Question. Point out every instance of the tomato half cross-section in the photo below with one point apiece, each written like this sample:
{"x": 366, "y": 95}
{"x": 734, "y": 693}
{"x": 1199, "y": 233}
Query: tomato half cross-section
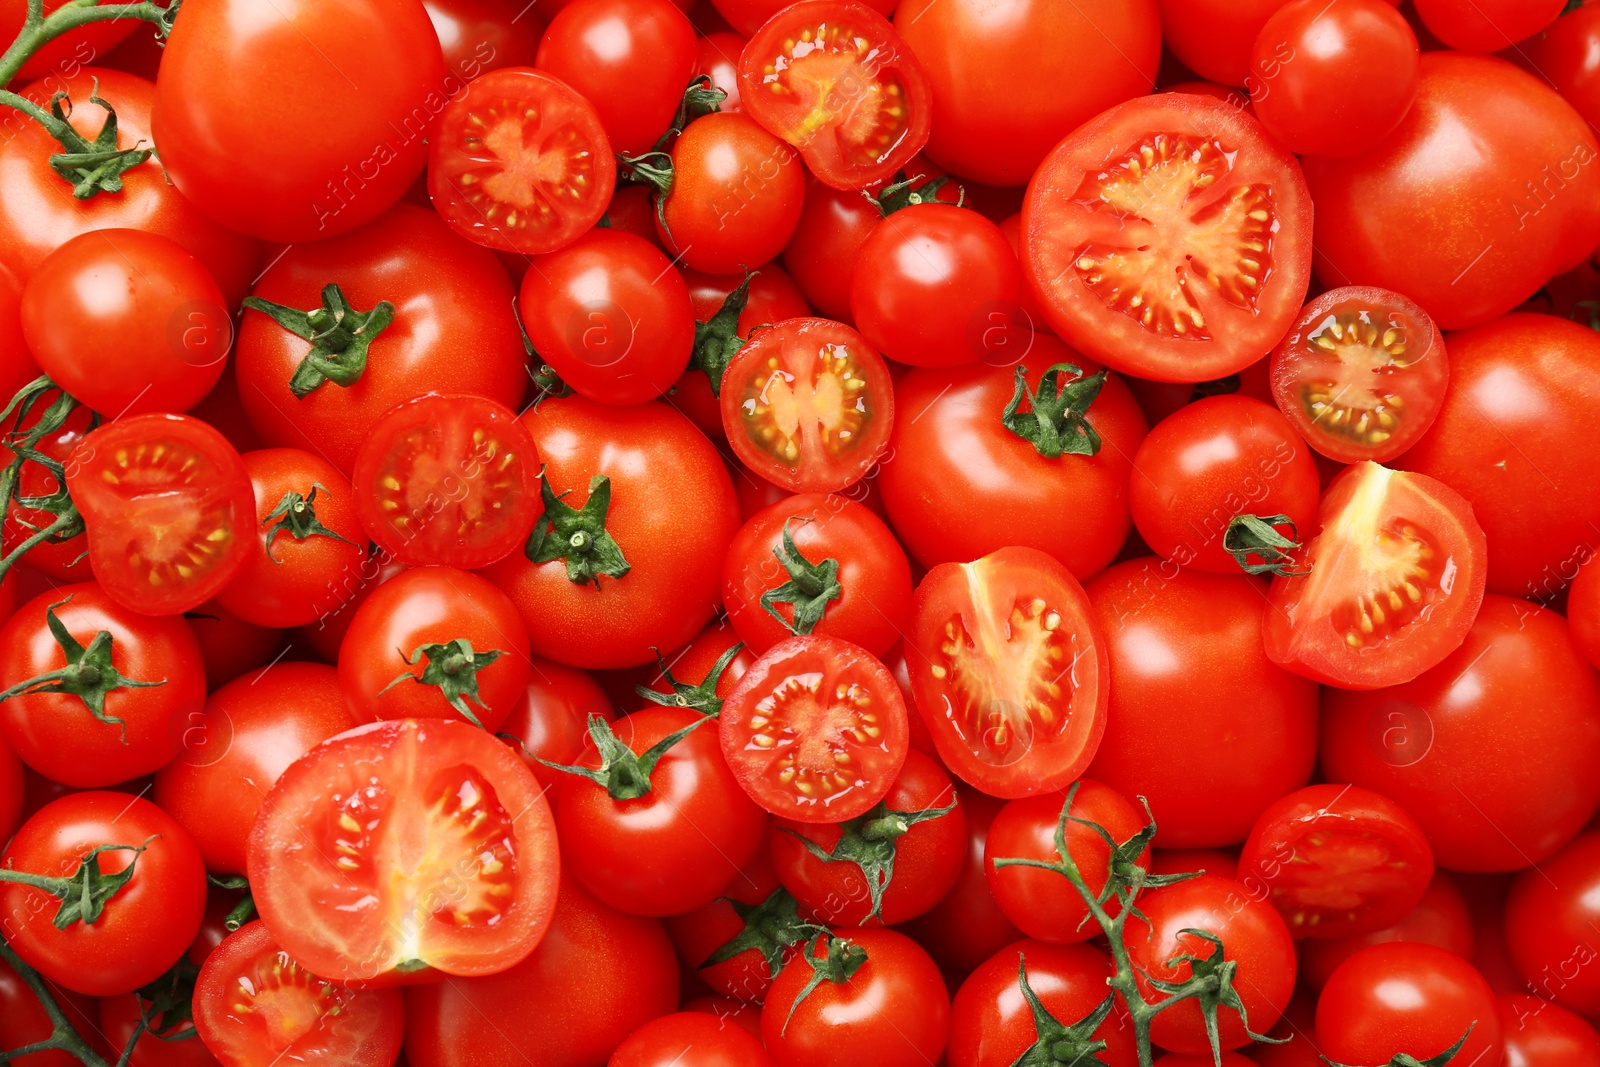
{"x": 399, "y": 851}
{"x": 1009, "y": 671}
{"x": 1169, "y": 238}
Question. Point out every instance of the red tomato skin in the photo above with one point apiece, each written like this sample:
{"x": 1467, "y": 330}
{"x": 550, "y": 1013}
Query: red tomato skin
{"x": 1541, "y": 1034}
{"x": 229, "y": 646}
{"x": 1548, "y": 926}
{"x": 1564, "y": 56}
{"x": 219, "y": 100}
{"x": 719, "y": 61}
{"x": 477, "y": 36}
{"x": 1493, "y": 241}
{"x": 1444, "y": 745}
{"x": 233, "y": 750}
{"x": 598, "y": 975}
{"x": 11, "y": 792}
{"x": 1257, "y": 721}
{"x": 23, "y": 1019}
{"x": 17, "y": 367}
{"x": 1441, "y": 918}
{"x": 1470, "y": 27}
{"x": 1583, "y": 611}
{"x": 1407, "y": 998}
{"x": 999, "y": 104}
{"x": 747, "y": 16}
{"x": 690, "y": 1039}
{"x": 698, "y": 934}
{"x": 822, "y": 254}
{"x": 1530, "y": 486}
{"x": 1212, "y": 37}
{"x": 551, "y": 720}
{"x": 66, "y": 52}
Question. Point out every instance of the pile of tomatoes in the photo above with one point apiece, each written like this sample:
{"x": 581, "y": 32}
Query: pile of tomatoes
{"x": 737, "y": 533}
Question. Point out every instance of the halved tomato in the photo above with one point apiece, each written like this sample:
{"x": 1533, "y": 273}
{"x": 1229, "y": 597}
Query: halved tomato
{"x": 451, "y": 480}
{"x": 1337, "y": 860}
{"x": 1169, "y": 238}
{"x": 835, "y": 80}
{"x": 816, "y": 730}
{"x": 256, "y": 1006}
{"x": 403, "y": 850}
{"x": 808, "y": 405}
{"x": 1362, "y": 373}
{"x": 168, "y": 508}
{"x": 520, "y": 162}
{"x": 1387, "y": 588}
{"x": 1009, "y": 671}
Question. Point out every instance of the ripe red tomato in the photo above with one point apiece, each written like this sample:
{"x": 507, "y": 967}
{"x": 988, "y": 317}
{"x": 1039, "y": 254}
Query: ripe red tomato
{"x": 431, "y": 850}
{"x": 610, "y": 315}
{"x": 310, "y": 541}
{"x": 1388, "y": 586}
{"x": 23, "y": 1019}
{"x": 256, "y": 1006}
{"x": 233, "y": 750}
{"x": 1479, "y": 132}
{"x": 719, "y": 61}
{"x": 1253, "y": 936}
{"x": 1043, "y": 904}
{"x": 56, "y": 733}
{"x": 1583, "y": 611}
{"x": 78, "y": 45}
{"x": 1009, "y": 671}
{"x": 1407, "y": 998}
{"x": 17, "y": 367}
{"x": 326, "y": 634}
{"x": 1564, "y": 55}
{"x": 1507, "y": 441}
{"x": 991, "y": 1024}
{"x": 1213, "y": 37}
{"x": 482, "y": 35}
{"x": 1441, "y": 918}
{"x": 690, "y": 1039}
{"x": 671, "y": 512}
{"x": 1200, "y": 721}
{"x": 762, "y": 935}
{"x": 892, "y": 1011}
{"x": 1486, "y": 25}
{"x": 927, "y": 855}
{"x": 835, "y": 565}
{"x": 551, "y": 719}
{"x": 453, "y": 331}
{"x": 166, "y": 503}
{"x": 815, "y": 730}
{"x": 958, "y": 484}
{"x": 821, "y": 256}
{"x": 146, "y": 925}
{"x": 747, "y": 16}
{"x": 1540, "y": 1034}
{"x": 221, "y": 98}
{"x": 1212, "y": 460}
{"x": 431, "y": 642}
{"x": 597, "y": 976}
{"x": 11, "y": 792}
{"x": 1170, "y": 238}
{"x": 1352, "y": 391}
{"x": 1457, "y": 749}
{"x": 834, "y": 79}
{"x": 512, "y": 188}
{"x": 1549, "y": 925}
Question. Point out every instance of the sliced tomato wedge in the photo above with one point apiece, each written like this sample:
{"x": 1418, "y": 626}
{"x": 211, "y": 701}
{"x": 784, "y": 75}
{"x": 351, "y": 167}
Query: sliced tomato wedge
{"x": 520, "y": 162}
{"x": 1169, "y": 238}
{"x": 1387, "y": 588}
{"x": 256, "y": 1006}
{"x": 168, "y": 507}
{"x": 816, "y": 730}
{"x": 403, "y": 850}
{"x": 835, "y": 80}
{"x": 1362, "y": 374}
{"x": 808, "y": 404}
{"x": 1337, "y": 860}
{"x": 1009, "y": 671}
{"x": 451, "y": 480}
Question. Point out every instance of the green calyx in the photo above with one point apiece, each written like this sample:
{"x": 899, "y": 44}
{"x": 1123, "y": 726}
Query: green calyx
{"x": 1257, "y": 536}
{"x": 701, "y": 697}
{"x": 93, "y": 167}
{"x": 771, "y": 928}
{"x": 1056, "y": 422}
{"x": 622, "y": 774}
{"x": 168, "y": 1002}
{"x": 296, "y": 515}
{"x": 1057, "y": 1044}
{"x": 339, "y": 336}
{"x": 33, "y": 421}
{"x": 453, "y": 668}
{"x": 810, "y": 589}
{"x": 577, "y": 537}
{"x": 654, "y": 168}
{"x": 869, "y": 842}
{"x": 717, "y": 339}
{"x": 1211, "y": 986}
{"x": 84, "y": 893}
{"x": 904, "y": 192}
{"x": 1405, "y": 1059}
{"x": 89, "y": 674}
{"x": 843, "y": 960}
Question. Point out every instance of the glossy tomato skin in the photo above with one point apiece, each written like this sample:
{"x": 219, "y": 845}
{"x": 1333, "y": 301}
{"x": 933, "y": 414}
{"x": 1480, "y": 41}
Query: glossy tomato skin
{"x": 1409, "y": 998}
{"x": 1441, "y": 918}
{"x": 719, "y": 61}
{"x": 821, "y": 256}
{"x": 959, "y": 485}
{"x": 999, "y": 104}
{"x": 991, "y": 1024}
{"x": 482, "y": 35}
{"x": 874, "y": 602}
{"x": 1489, "y": 26}
{"x": 233, "y": 750}
{"x": 551, "y": 720}
{"x": 144, "y": 928}
{"x": 23, "y": 1019}
{"x": 598, "y": 975}
{"x": 1583, "y": 611}
{"x": 423, "y": 607}
{"x": 1213, "y": 37}
{"x": 1538, "y": 500}
{"x": 747, "y": 16}
{"x": 1444, "y": 746}
{"x": 1548, "y": 925}
{"x": 699, "y": 934}
{"x": 630, "y": 58}
{"x": 690, "y": 1039}
{"x": 17, "y": 367}
{"x": 673, "y": 514}
{"x": 1212, "y": 460}
{"x": 55, "y": 733}
{"x": 207, "y": 113}
{"x": 1493, "y": 241}
{"x": 302, "y": 580}
{"x": 1200, "y": 721}
{"x": 11, "y": 792}
{"x": 1541, "y": 1034}
{"x": 1564, "y": 55}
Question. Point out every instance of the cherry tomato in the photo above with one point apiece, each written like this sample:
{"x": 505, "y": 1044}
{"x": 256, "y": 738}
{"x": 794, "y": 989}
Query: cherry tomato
{"x": 1564, "y": 55}
{"x": 747, "y": 16}
{"x": 1548, "y": 926}
{"x": 551, "y": 719}
{"x": 822, "y": 254}
{"x": 1540, "y": 1034}
{"x": 1583, "y": 611}
{"x": 1441, "y": 918}
{"x": 1486, "y": 25}
{"x": 689, "y": 1039}
{"x": 229, "y": 646}
{"x": 719, "y": 61}
{"x": 767, "y": 929}
{"x": 1213, "y": 37}
{"x": 23, "y": 1019}
{"x": 11, "y": 792}
{"x": 80, "y": 44}
{"x": 1407, "y": 998}
{"x": 482, "y": 35}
